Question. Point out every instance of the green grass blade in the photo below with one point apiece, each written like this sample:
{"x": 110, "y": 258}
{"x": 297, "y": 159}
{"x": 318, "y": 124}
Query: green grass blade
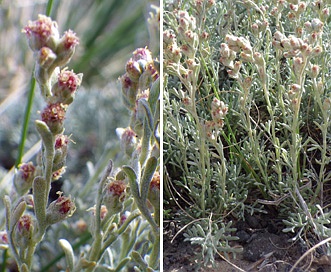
{"x": 26, "y": 120}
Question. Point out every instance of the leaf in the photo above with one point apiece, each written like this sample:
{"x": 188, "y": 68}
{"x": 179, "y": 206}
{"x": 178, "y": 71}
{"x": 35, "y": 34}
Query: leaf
{"x": 147, "y": 177}
{"x": 69, "y": 253}
{"x": 131, "y": 174}
{"x": 16, "y": 214}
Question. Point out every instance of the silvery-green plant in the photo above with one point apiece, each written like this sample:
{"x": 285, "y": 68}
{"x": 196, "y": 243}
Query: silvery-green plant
{"x": 126, "y": 211}
{"x": 263, "y": 68}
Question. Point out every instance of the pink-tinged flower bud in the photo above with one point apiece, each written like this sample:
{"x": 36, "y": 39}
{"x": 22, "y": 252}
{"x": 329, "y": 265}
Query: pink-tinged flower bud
{"x": 234, "y": 72}
{"x": 204, "y": 36}
{"x": 42, "y": 33}
{"x": 308, "y": 26}
{"x": 317, "y": 25}
{"x": 246, "y": 57}
{"x": 61, "y": 150}
{"x": 210, "y": 3}
{"x": 142, "y": 54}
{"x": 286, "y": 44}
{"x": 259, "y": 59}
{"x": 299, "y": 31}
{"x": 169, "y": 37}
{"x": 124, "y": 217}
{"x": 151, "y": 72}
{"x": 69, "y": 39}
{"x": 225, "y": 50}
{"x": 191, "y": 38}
{"x": 232, "y": 42}
{"x": 24, "y": 224}
{"x": 298, "y": 66}
{"x": 60, "y": 209}
{"x": 302, "y": 7}
{"x": 187, "y": 50}
{"x": 306, "y": 50}
{"x": 245, "y": 45}
{"x": 24, "y": 230}
{"x": 103, "y": 211}
{"x": 210, "y": 130}
{"x": 278, "y": 36}
{"x": 173, "y": 52}
{"x": 80, "y": 226}
{"x": 198, "y": 4}
{"x": 45, "y": 57}
{"x": 314, "y": 71}
{"x": 316, "y": 51}
{"x": 53, "y": 115}
{"x": 291, "y": 16}
{"x": 325, "y": 14}
{"x": 274, "y": 12}
{"x": 186, "y": 21}
{"x": 24, "y": 177}
{"x": 4, "y": 237}
{"x": 187, "y": 101}
{"x": 293, "y": 7}
{"x": 218, "y": 109}
{"x": 128, "y": 140}
{"x": 129, "y": 91}
{"x": 133, "y": 70}
{"x": 154, "y": 190}
{"x": 255, "y": 29}
{"x": 295, "y": 42}
{"x": 66, "y": 48}
{"x": 65, "y": 88}
{"x": 294, "y": 91}
{"x": 114, "y": 196}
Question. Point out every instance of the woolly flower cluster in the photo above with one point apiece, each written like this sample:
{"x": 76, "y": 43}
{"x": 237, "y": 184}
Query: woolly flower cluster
{"x": 139, "y": 86}
{"x": 52, "y": 52}
{"x": 218, "y": 112}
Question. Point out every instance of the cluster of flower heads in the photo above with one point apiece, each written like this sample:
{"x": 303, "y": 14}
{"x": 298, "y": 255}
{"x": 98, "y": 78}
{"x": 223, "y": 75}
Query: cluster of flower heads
{"x": 185, "y": 39}
{"x": 52, "y": 53}
{"x": 218, "y": 112}
{"x": 58, "y": 86}
{"x": 292, "y": 46}
{"x": 141, "y": 74}
{"x": 242, "y": 46}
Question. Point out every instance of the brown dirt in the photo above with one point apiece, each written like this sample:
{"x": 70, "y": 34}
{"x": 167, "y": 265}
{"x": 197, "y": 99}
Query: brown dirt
{"x": 263, "y": 251}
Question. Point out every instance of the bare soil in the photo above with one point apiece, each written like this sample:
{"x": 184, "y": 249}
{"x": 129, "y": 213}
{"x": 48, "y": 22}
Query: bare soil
{"x": 265, "y": 248}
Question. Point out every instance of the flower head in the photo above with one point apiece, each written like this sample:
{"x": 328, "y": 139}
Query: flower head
{"x": 53, "y": 115}
{"x": 45, "y": 57}
{"x": 70, "y": 39}
{"x": 24, "y": 177}
{"x": 69, "y": 80}
{"x": 60, "y": 209}
{"x": 128, "y": 140}
{"x": 65, "y": 88}
{"x": 4, "y": 237}
{"x": 114, "y": 195}
{"x": 24, "y": 230}
{"x": 42, "y": 32}
{"x": 129, "y": 91}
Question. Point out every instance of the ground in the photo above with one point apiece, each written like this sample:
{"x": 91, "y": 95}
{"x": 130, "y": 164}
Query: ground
{"x": 265, "y": 249}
